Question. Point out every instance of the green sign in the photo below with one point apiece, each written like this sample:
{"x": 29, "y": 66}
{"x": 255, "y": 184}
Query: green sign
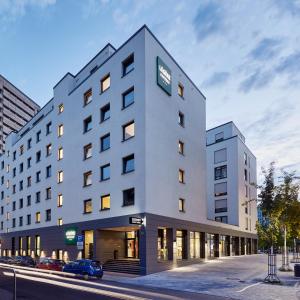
{"x": 164, "y": 76}
{"x": 70, "y": 236}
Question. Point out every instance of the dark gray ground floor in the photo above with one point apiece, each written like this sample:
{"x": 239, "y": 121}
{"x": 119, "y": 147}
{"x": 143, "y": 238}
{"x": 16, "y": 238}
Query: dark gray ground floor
{"x": 160, "y": 243}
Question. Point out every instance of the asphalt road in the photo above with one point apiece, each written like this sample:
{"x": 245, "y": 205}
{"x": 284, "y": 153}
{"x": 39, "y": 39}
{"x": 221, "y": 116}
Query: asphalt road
{"x": 36, "y": 286}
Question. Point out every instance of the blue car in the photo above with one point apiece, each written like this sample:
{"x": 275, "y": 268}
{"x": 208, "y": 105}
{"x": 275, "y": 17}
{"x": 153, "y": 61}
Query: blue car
{"x": 85, "y": 267}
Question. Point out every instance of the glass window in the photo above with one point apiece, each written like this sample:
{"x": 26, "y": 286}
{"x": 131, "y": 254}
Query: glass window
{"x": 220, "y": 205}
{"x": 48, "y": 149}
{"x": 105, "y": 142}
{"x": 245, "y": 175}
{"x": 20, "y": 221}
{"x": 220, "y": 172}
{"x": 219, "y": 137}
{"x": 59, "y": 200}
{"x": 221, "y": 189}
{"x": 128, "y": 163}
{"x": 29, "y": 142}
{"x": 87, "y": 124}
{"x": 48, "y": 128}
{"x": 28, "y": 219}
{"x": 128, "y": 197}
{"x": 38, "y": 176}
{"x": 105, "y": 113}
{"x": 87, "y": 206}
{"x": 181, "y": 176}
{"x": 21, "y": 149}
{"x": 60, "y": 108}
{"x": 28, "y": 200}
{"x": 245, "y": 159}
{"x": 181, "y": 119}
{"x": 181, "y": 205}
{"x": 105, "y": 202}
{"x": 28, "y": 162}
{"x": 128, "y": 131}
{"x": 105, "y": 172}
{"x": 180, "y": 90}
{"x": 37, "y": 197}
{"x": 105, "y": 83}
{"x": 87, "y": 178}
{"x": 87, "y": 97}
{"x": 48, "y": 171}
{"x": 48, "y": 193}
{"x": 38, "y": 217}
{"x": 48, "y": 215}
{"x": 60, "y": 153}
{"x": 21, "y": 203}
{"x": 128, "y": 64}
{"x": 60, "y": 130}
{"x": 60, "y": 176}
{"x": 38, "y": 136}
{"x": 181, "y": 147}
{"x": 38, "y": 156}
{"x": 222, "y": 219}
{"x": 87, "y": 151}
{"x": 128, "y": 97}
{"x": 220, "y": 155}
{"x": 59, "y": 222}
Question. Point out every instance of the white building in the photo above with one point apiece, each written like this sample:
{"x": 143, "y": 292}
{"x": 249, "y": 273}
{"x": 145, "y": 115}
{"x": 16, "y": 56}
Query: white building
{"x": 231, "y": 178}
{"x": 118, "y": 158}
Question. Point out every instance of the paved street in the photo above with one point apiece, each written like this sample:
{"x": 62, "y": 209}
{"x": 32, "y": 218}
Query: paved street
{"x": 38, "y": 286}
{"x": 233, "y": 277}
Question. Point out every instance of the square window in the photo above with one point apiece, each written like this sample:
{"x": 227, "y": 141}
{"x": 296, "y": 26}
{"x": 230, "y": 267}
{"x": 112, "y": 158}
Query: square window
{"x": 105, "y": 142}
{"x": 105, "y": 172}
{"x": 87, "y": 206}
{"x": 105, "y": 113}
{"x": 87, "y": 151}
{"x": 220, "y": 189}
{"x": 128, "y": 64}
{"x": 128, "y": 97}
{"x": 105, "y": 83}
{"x": 181, "y": 205}
{"x": 128, "y": 197}
{"x": 128, "y": 163}
{"x": 87, "y": 97}
{"x": 87, "y": 178}
{"x": 219, "y": 137}
{"x": 180, "y": 90}
{"x": 181, "y": 119}
{"x": 128, "y": 131}
{"x": 60, "y": 200}
{"x": 220, "y": 155}
{"x": 105, "y": 202}
{"x": 220, "y": 206}
{"x": 181, "y": 147}
{"x": 222, "y": 219}
{"x": 60, "y": 153}
{"x": 220, "y": 172}
{"x": 87, "y": 124}
{"x": 60, "y": 130}
{"x": 181, "y": 176}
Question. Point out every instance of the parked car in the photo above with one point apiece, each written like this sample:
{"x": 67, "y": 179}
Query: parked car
{"x": 84, "y": 267}
{"x": 26, "y": 261}
{"x": 6, "y": 259}
{"x": 51, "y": 264}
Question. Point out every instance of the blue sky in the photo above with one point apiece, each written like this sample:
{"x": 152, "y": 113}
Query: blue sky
{"x": 243, "y": 55}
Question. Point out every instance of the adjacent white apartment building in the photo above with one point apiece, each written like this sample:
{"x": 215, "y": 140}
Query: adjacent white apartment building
{"x": 113, "y": 167}
{"x": 231, "y": 178}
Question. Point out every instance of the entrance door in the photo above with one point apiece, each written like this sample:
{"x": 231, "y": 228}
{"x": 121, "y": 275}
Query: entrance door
{"x": 131, "y": 244}
{"x": 88, "y": 244}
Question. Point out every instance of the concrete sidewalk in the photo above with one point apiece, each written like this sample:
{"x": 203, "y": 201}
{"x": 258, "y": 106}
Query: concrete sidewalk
{"x": 235, "y": 277}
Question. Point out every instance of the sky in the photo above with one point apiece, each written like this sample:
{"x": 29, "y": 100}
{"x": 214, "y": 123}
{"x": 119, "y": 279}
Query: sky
{"x": 243, "y": 55}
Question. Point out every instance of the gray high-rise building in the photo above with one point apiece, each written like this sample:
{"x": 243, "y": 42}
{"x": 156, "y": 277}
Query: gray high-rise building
{"x": 16, "y": 109}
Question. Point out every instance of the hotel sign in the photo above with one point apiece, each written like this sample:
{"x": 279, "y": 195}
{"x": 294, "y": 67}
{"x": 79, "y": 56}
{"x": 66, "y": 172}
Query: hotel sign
{"x": 70, "y": 236}
{"x": 164, "y": 76}
{"x": 135, "y": 220}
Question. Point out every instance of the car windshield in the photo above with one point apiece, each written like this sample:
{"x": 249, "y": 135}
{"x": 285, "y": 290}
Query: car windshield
{"x": 95, "y": 263}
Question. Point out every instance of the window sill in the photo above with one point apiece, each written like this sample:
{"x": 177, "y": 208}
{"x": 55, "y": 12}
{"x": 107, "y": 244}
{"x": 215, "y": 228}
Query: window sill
{"x": 104, "y": 209}
{"x": 124, "y": 107}
{"x": 87, "y": 185}
{"x": 125, "y": 140}
{"x": 86, "y": 158}
{"x": 102, "y": 121}
{"x": 101, "y": 180}
{"x": 86, "y": 131}
{"x": 103, "y": 150}
{"x": 125, "y": 205}
{"x": 87, "y": 213}
{"x": 124, "y": 173}
{"x": 124, "y": 75}
{"x": 102, "y": 92}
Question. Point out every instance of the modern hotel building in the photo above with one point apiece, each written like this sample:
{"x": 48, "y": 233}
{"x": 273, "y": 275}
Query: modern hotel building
{"x": 16, "y": 109}
{"x": 113, "y": 167}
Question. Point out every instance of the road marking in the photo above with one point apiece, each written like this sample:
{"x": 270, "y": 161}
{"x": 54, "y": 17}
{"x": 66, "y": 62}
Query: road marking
{"x": 249, "y": 286}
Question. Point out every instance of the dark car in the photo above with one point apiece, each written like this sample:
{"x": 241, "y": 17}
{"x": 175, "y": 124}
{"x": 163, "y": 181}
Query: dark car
{"x": 84, "y": 267}
{"x": 6, "y": 260}
{"x": 51, "y": 264}
{"x": 26, "y": 261}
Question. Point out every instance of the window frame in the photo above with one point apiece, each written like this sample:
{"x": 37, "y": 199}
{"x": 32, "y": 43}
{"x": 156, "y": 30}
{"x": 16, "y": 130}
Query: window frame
{"x": 107, "y": 76}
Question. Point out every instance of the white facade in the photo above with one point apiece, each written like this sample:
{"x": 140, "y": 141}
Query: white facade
{"x": 155, "y": 145}
{"x": 231, "y": 178}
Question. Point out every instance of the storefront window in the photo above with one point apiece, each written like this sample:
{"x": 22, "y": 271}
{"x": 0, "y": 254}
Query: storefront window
{"x": 210, "y": 245}
{"x": 179, "y": 243}
{"x": 194, "y": 244}
{"x": 162, "y": 250}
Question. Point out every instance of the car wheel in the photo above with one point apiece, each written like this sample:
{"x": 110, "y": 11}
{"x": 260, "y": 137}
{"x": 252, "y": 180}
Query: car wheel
{"x": 99, "y": 277}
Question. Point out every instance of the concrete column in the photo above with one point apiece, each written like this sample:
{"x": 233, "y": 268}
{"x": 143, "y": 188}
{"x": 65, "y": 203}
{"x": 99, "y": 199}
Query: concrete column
{"x": 170, "y": 243}
{"x": 143, "y": 250}
{"x": 217, "y": 245}
{"x": 203, "y": 245}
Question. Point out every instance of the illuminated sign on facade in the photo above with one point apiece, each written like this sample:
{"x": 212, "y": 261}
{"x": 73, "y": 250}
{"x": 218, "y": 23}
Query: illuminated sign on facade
{"x": 164, "y": 76}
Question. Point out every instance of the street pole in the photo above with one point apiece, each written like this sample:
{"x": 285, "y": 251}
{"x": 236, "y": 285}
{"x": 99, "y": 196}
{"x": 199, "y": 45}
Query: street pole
{"x": 15, "y": 285}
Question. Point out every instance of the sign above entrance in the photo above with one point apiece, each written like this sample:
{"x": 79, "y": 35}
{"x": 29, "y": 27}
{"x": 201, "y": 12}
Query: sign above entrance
{"x": 70, "y": 236}
{"x": 135, "y": 220}
{"x": 164, "y": 76}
